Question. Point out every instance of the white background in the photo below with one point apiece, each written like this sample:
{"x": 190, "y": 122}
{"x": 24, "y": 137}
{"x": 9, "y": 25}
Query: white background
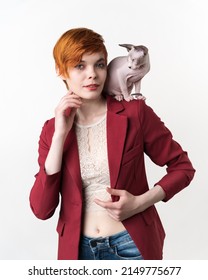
{"x": 175, "y": 31}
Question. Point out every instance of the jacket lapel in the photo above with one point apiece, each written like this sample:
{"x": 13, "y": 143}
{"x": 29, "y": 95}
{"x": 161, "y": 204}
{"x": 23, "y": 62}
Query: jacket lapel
{"x": 116, "y": 134}
{"x": 71, "y": 158}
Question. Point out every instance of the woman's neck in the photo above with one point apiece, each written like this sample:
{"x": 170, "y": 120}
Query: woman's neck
{"x": 91, "y": 111}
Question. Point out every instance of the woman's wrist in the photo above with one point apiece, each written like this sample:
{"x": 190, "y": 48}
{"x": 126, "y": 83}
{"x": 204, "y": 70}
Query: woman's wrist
{"x": 59, "y": 137}
{"x": 150, "y": 197}
{"x": 54, "y": 159}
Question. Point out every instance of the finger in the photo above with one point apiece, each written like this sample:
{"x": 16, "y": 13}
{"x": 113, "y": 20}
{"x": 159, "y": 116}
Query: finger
{"x": 72, "y": 95}
{"x": 66, "y": 109}
{"x": 70, "y": 111}
{"x": 70, "y": 92}
{"x": 105, "y": 204}
{"x": 113, "y": 216}
{"x": 115, "y": 192}
{"x": 69, "y": 101}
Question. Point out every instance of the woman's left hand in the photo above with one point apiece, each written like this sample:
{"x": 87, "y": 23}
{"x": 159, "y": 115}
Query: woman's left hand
{"x": 127, "y": 205}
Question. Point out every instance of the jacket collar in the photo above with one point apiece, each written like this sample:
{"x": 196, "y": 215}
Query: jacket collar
{"x": 116, "y": 135}
{"x": 113, "y": 105}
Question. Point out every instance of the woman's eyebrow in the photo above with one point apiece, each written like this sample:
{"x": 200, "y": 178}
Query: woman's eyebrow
{"x": 99, "y": 60}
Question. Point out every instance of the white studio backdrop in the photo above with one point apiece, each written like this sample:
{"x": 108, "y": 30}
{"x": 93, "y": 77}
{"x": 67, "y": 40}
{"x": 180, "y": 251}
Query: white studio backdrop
{"x": 176, "y": 87}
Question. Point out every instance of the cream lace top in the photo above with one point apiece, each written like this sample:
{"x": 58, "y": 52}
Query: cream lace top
{"x": 92, "y": 146}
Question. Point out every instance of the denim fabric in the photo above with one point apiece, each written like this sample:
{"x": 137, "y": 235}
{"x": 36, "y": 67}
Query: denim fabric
{"x": 115, "y": 247}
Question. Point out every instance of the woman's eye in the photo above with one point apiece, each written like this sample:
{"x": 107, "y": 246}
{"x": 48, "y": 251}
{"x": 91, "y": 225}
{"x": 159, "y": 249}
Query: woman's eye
{"x": 79, "y": 66}
{"x": 100, "y": 65}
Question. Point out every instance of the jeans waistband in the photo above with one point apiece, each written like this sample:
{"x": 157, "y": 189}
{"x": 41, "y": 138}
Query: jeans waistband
{"x": 111, "y": 240}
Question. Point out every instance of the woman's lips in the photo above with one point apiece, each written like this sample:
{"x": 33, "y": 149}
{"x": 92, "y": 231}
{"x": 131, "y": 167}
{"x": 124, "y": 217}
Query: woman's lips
{"x": 92, "y": 86}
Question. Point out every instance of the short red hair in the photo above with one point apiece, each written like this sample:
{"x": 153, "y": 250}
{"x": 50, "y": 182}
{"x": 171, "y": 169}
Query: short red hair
{"x": 71, "y": 46}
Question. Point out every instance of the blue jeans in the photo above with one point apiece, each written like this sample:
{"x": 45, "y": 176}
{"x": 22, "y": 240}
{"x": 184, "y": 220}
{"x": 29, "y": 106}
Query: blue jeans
{"x": 119, "y": 246}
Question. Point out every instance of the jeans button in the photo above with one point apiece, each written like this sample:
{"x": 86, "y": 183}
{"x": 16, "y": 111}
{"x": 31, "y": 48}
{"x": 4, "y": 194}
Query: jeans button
{"x": 93, "y": 243}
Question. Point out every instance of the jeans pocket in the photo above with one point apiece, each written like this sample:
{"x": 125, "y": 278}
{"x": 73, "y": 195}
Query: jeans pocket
{"x": 128, "y": 251}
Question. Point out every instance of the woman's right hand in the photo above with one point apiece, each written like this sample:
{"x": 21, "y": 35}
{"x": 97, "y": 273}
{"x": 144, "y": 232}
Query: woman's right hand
{"x": 65, "y": 113}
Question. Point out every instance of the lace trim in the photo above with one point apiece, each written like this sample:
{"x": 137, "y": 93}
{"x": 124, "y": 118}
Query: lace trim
{"x": 92, "y": 147}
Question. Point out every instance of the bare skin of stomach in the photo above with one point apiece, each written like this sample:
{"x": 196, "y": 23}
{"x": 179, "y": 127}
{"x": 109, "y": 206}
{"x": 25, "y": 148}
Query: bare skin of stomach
{"x": 100, "y": 224}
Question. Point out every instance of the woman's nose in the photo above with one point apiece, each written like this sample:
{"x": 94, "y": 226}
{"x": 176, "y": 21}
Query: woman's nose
{"x": 92, "y": 73}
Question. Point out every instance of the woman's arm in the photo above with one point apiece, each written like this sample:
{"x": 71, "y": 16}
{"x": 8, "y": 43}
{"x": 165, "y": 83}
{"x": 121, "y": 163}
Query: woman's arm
{"x": 44, "y": 196}
{"x": 163, "y": 150}
{"x": 128, "y": 204}
{"x": 64, "y": 118}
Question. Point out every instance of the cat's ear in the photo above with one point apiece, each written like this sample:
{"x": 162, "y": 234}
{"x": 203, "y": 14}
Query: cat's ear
{"x": 142, "y": 48}
{"x": 127, "y": 46}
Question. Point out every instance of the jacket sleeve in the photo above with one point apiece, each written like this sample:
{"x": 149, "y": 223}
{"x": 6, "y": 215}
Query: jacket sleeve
{"x": 164, "y": 151}
{"x": 44, "y": 195}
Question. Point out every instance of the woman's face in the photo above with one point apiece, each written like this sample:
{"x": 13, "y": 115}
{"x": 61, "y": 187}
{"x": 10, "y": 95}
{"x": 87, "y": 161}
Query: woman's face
{"x": 88, "y": 77}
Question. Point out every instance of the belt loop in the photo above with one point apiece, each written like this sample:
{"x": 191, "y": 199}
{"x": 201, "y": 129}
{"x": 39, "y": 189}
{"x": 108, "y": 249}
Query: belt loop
{"x": 108, "y": 241}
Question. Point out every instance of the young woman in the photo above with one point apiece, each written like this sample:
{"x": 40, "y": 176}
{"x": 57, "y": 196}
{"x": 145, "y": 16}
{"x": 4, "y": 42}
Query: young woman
{"x": 92, "y": 156}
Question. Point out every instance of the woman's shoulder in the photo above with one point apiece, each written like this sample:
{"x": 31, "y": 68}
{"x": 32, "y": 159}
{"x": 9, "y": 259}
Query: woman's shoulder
{"x": 130, "y": 108}
{"x": 48, "y": 127}
{"x": 49, "y": 123}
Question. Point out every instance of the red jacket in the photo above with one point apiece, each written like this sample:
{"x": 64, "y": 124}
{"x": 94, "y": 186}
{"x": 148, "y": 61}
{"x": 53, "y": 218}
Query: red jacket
{"x": 133, "y": 130}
